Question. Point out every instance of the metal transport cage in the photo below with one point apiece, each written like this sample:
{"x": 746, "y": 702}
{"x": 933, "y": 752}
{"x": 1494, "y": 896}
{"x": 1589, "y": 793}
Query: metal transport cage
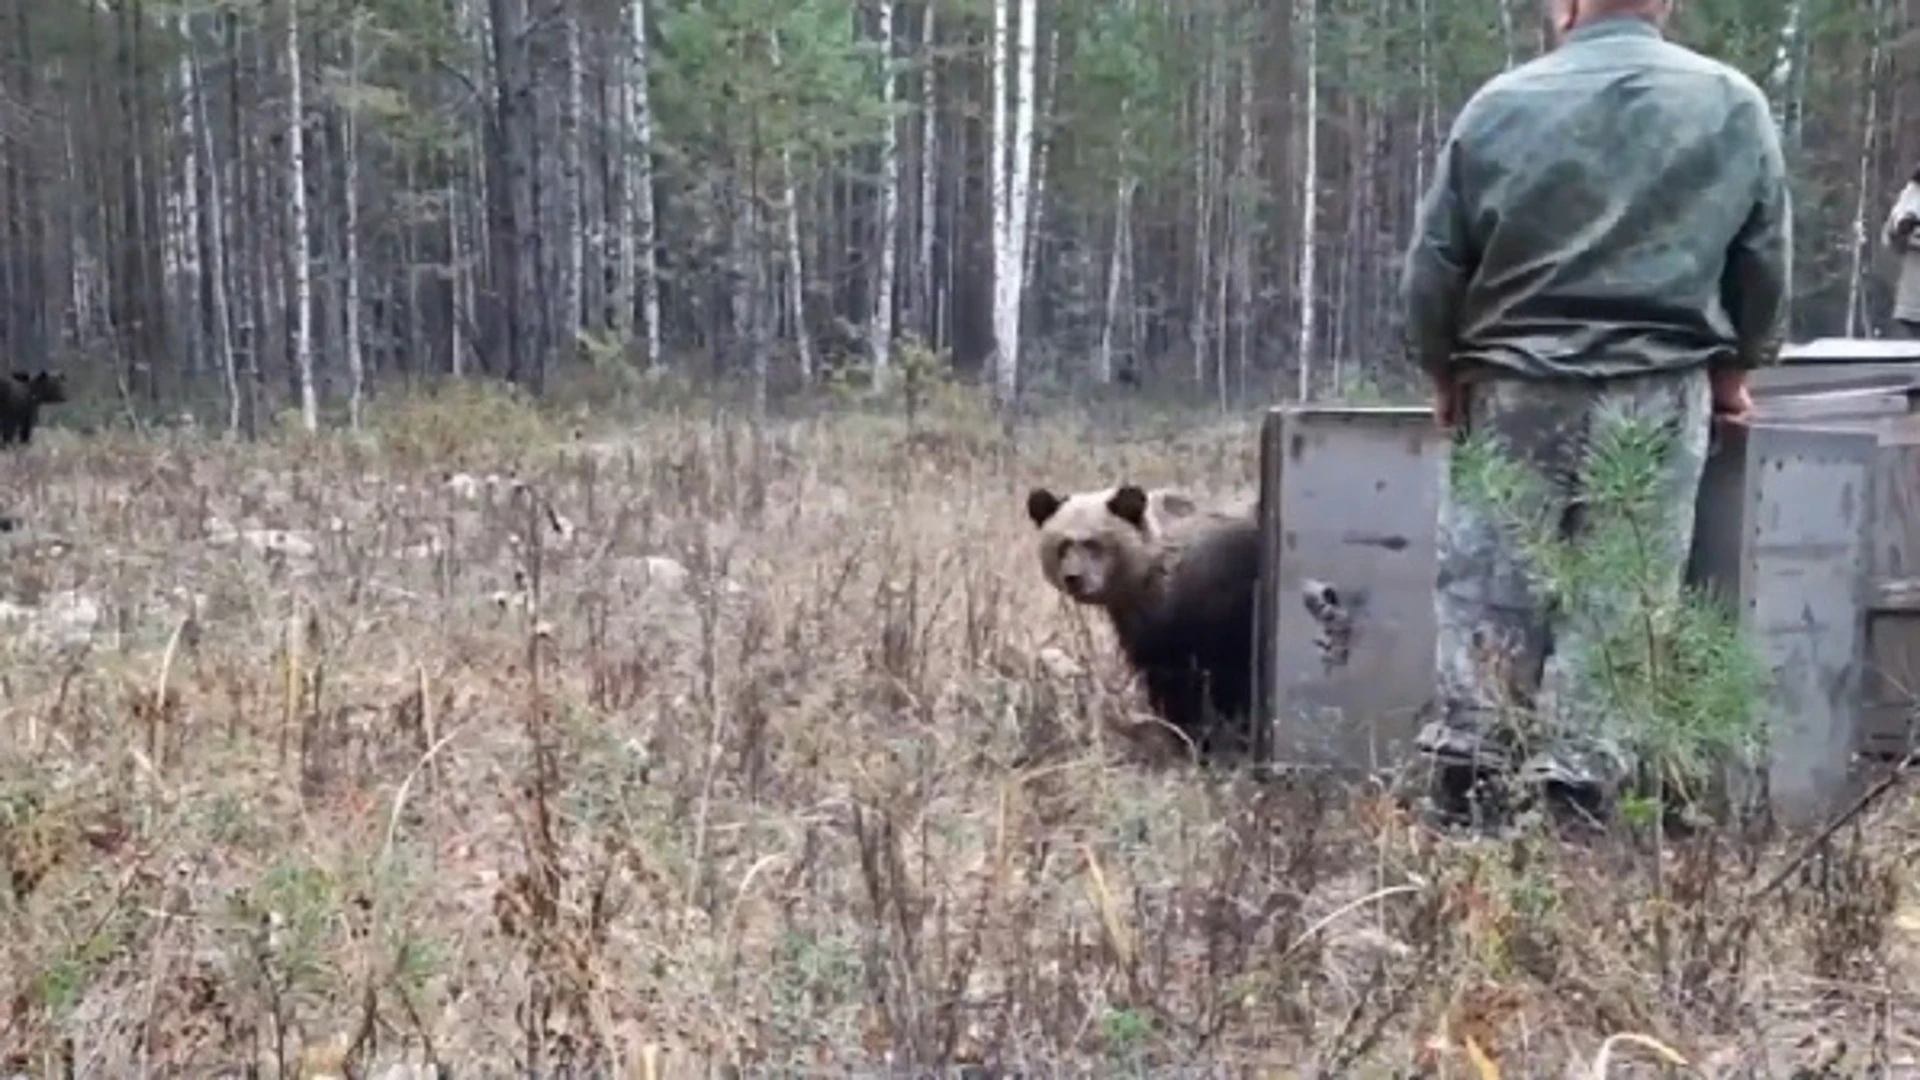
{"x": 1809, "y": 520}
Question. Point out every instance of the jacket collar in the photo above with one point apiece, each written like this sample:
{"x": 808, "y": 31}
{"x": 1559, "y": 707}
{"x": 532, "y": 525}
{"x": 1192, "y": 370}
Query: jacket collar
{"x": 1613, "y": 26}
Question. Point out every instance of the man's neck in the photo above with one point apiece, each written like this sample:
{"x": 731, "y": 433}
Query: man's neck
{"x": 1610, "y": 21}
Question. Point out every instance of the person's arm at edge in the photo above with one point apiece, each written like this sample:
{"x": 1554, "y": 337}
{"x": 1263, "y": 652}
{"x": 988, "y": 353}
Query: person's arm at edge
{"x": 1905, "y": 208}
{"x": 1889, "y": 233}
{"x": 1759, "y": 273}
{"x": 1439, "y": 261}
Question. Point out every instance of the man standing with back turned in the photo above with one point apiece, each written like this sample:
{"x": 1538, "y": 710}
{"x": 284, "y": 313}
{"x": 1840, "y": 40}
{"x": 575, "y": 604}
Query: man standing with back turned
{"x": 1608, "y": 228}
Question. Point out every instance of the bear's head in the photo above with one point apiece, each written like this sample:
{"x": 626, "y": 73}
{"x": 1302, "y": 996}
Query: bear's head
{"x": 42, "y": 387}
{"x": 1100, "y": 547}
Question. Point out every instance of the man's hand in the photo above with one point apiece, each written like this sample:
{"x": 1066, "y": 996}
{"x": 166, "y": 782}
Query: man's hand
{"x": 1446, "y": 399}
{"x": 1731, "y": 401}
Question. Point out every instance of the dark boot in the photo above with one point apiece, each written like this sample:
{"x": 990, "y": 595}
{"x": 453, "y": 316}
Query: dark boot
{"x": 1466, "y": 777}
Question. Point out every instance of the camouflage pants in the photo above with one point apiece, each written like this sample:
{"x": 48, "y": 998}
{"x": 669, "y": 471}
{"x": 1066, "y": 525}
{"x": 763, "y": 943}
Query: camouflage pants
{"x": 1503, "y": 653}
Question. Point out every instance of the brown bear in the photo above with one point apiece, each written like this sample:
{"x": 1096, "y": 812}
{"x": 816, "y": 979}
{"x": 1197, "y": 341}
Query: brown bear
{"x": 21, "y": 396}
{"x": 1179, "y": 586}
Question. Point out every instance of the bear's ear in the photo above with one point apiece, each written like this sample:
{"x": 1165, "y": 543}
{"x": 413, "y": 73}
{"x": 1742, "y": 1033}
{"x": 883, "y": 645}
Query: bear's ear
{"x": 1042, "y": 505}
{"x": 1129, "y": 504}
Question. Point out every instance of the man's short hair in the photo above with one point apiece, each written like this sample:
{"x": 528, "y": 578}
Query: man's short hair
{"x": 1598, "y": 8}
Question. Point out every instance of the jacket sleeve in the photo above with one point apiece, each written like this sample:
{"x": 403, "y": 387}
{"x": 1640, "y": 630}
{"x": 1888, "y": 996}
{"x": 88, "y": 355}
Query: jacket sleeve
{"x": 1906, "y": 206}
{"x": 1759, "y": 273}
{"x": 1439, "y": 263}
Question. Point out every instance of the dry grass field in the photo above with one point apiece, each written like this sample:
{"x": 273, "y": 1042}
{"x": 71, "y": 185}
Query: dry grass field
{"x": 496, "y": 741}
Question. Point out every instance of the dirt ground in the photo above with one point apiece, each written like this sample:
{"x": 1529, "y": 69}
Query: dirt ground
{"x": 482, "y": 741}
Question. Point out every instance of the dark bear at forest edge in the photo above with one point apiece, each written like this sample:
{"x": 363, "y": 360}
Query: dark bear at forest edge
{"x": 1178, "y": 586}
{"x": 21, "y": 396}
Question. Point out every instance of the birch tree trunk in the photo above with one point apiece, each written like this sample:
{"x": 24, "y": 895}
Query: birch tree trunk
{"x": 1863, "y": 232}
{"x": 640, "y": 179}
{"x": 459, "y": 309}
{"x": 1425, "y": 119}
{"x": 300, "y": 295}
{"x": 929, "y": 188}
{"x": 1116, "y": 266}
{"x": 620, "y": 196}
{"x": 796, "y": 268}
{"x": 214, "y": 241}
{"x": 1506, "y": 32}
{"x": 880, "y": 330}
{"x": 573, "y": 273}
{"x": 356, "y": 361}
{"x": 1217, "y": 152}
{"x": 461, "y": 312}
{"x": 1011, "y": 190}
{"x": 796, "y": 278}
{"x": 1309, "y": 195}
{"x": 250, "y": 276}
{"x": 1246, "y": 232}
{"x": 187, "y": 231}
{"x": 1783, "y": 80}
{"x": 417, "y": 352}
{"x": 1198, "y": 335}
{"x": 1005, "y": 373}
{"x": 1037, "y": 201}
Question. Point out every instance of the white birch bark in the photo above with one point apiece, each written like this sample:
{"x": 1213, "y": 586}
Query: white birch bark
{"x": 1506, "y": 32}
{"x": 1309, "y": 196}
{"x": 1783, "y": 81}
{"x": 796, "y": 264}
{"x": 300, "y": 294}
{"x": 1116, "y": 261}
{"x": 796, "y": 268}
{"x": 1021, "y": 184}
{"x": 1011, "y": 189}
{"x": 640, "y": 179}
{"x": 880, "y": 328}
{"x": 187, "y": 230}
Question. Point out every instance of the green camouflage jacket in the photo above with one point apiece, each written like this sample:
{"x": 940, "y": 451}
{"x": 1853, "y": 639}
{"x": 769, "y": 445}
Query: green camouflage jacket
{"x": 1616, "y": 206}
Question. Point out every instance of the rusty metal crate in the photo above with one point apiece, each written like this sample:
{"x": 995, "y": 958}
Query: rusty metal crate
{"x": 1809, "y": 520}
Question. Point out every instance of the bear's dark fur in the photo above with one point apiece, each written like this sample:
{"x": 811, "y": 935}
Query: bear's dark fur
{"x": 21, "y": 396}
{"x": 1183, "y": 611}
{"x": 1194, "y": 647}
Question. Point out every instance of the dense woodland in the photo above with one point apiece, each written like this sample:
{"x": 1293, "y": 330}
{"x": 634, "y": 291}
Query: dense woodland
{"x": 275, "y": 207}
